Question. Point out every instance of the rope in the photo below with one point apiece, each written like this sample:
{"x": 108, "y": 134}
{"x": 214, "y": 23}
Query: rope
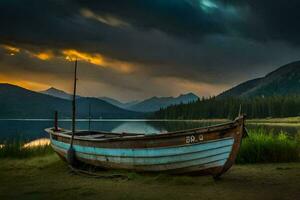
{"x": 95, "y": 175}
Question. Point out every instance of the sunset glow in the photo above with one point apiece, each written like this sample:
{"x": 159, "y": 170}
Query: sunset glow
{"x": 72, "y": 54}
{"x": 44, "y": 55}
{"x": 98, "y": 59}
{"x": 31, "y": 85}
{"x": 11, "y": 49}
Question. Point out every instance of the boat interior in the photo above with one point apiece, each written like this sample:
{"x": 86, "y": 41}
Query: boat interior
{"x": 84, "y": 134}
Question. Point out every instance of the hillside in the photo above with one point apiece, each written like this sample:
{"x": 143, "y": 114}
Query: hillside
{"x": 155, "y": 103}
{"x": 17, "y": 102}
{"x": 57, "y": 93}
{"x": 64, "y": 95}
{"x": 275, "y": 95}
{"x": 283, "y": 81}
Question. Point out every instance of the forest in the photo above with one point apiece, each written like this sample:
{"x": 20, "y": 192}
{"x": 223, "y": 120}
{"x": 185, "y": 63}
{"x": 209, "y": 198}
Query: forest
{"x": 215, "y": 107}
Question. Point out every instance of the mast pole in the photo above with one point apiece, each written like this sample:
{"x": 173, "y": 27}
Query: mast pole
{"x": 90, "y": 116}
{"x": 71, "y": 156}
{"x": 74, "y": 104}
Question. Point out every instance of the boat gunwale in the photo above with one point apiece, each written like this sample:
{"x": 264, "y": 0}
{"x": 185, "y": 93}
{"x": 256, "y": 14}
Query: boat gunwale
{"x": 123, "y": 136}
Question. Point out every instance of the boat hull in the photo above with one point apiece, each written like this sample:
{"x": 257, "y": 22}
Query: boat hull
{"x": 210, "y": 150}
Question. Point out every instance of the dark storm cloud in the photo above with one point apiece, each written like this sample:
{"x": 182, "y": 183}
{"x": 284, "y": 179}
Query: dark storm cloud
{"x": 269, "y": 19}
{"x": 179, "y": 17}
{"x": 60, "y": 23}
{"x": 191, "y": 19}
{"x": 216, "y": 42}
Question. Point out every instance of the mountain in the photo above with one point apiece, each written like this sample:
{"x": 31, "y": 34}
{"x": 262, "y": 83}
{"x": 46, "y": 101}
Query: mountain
{"x": 283, "y": 81}
{"x": 155, "y": 103}
{"x": 17, "y": 102}
{"x": 63, "y": 95}
{"x": 57, "y": 93}
{"x": 118, "y": 103}
{"x": 148, "y": 105}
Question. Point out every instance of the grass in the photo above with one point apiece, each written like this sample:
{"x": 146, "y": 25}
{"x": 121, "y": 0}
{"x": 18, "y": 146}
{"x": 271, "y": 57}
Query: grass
{"x": 276, "y": 120}
{"x": 15, "y": 149}
{"x": 47, "y": 177}
{"x": 265, "y": 147}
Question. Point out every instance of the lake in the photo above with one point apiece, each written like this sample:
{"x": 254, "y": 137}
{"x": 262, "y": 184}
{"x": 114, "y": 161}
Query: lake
{"x": 34, "y": 129}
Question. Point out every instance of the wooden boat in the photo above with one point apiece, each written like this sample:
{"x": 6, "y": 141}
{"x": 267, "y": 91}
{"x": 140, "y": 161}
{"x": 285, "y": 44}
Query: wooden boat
{"x": 208, "y": 150}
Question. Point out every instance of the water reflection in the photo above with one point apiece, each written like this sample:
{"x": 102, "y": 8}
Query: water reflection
{"x": 137, "y": 127}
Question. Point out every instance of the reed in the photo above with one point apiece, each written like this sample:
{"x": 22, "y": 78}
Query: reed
{"x": 17, "y": 149}
{"x": 266, "y": 147}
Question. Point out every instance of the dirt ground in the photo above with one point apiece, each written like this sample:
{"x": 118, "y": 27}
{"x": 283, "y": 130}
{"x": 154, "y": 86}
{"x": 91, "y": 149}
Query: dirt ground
{"x": 49, "y": 178}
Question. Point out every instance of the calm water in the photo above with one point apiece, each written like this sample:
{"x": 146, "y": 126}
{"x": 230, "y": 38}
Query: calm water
{"x": 34, "y": 129}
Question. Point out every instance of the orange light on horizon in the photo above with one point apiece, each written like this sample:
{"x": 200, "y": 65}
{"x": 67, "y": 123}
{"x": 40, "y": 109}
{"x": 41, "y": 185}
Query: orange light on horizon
{"x": 44, "y": 55}
{"x": 98, "y": 59}
{"x": 12, "y": 49}
{"x": 72, "y": 54}
{"x": 30, "y": 85}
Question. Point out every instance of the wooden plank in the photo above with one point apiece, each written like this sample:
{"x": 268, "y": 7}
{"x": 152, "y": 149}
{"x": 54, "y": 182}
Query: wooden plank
{"x": 209, "y": 150}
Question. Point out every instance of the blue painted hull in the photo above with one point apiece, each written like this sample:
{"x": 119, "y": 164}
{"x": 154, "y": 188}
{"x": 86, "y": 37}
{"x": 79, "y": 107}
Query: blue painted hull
{"x": 210, "y": 150}
{"x": 208, "y": 154}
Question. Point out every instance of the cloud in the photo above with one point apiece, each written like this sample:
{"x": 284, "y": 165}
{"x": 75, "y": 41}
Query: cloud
{"x": 135, "y": 49}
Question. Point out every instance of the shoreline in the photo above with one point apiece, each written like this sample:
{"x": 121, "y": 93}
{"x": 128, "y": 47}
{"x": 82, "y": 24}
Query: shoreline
{"x": 254, "y": 120}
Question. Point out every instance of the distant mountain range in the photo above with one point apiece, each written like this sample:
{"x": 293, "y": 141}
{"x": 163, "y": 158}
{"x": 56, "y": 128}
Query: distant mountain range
{"x": 149, "y": 105}
{"x": 17, "y": 102}
{"x": 57, "y": 93}
{"x": 155, "y": 103}
{"x": 283, "y": 81}
{"x": 115, "y": 102}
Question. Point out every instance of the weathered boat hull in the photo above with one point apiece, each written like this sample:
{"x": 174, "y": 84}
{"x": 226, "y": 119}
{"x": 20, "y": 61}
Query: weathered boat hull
{"x": 210, "y": 150}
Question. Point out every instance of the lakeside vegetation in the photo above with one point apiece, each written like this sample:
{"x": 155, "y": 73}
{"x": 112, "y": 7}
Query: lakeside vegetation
{"x": 214, "y": 107}
{"x": 287, "y": 121}
{"x": 19, "y": 149}
{"x": 266, "y": 147}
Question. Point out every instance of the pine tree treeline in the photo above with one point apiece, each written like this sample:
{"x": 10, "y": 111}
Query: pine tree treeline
{"x": 213, "y": 107}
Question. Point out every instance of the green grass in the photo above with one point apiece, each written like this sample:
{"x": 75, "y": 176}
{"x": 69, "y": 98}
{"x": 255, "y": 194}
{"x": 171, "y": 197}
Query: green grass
{"x": 276, "y": 120}
{"x": 47, "y": 177}
{"x": 265, "y": 147}
{"x": 15, "y": 149}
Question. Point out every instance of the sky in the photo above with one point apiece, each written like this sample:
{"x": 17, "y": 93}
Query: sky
{"x": 132, "y": 50}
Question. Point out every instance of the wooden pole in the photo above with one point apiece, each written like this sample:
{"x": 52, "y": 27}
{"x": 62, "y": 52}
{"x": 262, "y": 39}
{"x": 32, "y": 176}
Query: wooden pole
{"x": 90, "y": 116}
{"x": 74, "y": 104}
{"x": 55, "y": 121}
